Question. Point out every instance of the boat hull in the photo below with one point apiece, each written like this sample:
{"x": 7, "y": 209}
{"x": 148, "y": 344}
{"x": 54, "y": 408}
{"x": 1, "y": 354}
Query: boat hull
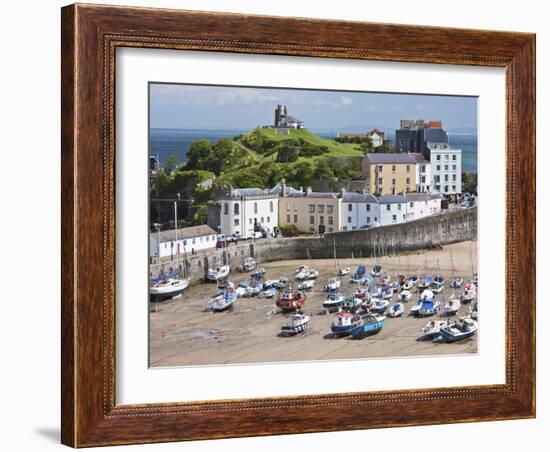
{"x": 366, "y": 330}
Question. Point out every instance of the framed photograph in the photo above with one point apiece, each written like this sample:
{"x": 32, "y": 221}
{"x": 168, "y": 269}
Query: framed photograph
{"x": 281, "y": 225}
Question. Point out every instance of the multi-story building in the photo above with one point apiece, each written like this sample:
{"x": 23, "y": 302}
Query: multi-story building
{"x": 359, "y": 209}
{"x": 183, "y": 240}
{"x": 423, "y": 172}
{"x": 246, "y": 210}
{"x": 393, "y": 209}
{"x": 389, "y": 174}
{"x": 309, "y": 210}
{"x": 414, "y": 135}
{"x": 446, "y": 169}
{"x": 420, "y": 205}
{"x": 284, "y": 120}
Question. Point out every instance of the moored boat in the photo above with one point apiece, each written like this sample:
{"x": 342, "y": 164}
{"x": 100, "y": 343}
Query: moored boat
{"x": 269, "y": 292}
{"x": 306, "y": 284}
{"x": 333, "y": 302}
{"x": 378, "y": 305}
{"x": 332, "y": 285}
{"x": 299, "y": 322}
{"x": 451, "y": 307}
{"x": 428, "y": 308}
{"x": 369, "y": 324}
{"x": 248, "y": 265}
{"x": 432, "y": 329}
{"x": 290, "y": 301}
{"x": 344, "y": 271}
{"x": 457, "y": 283}
{"x": 405, "y": 295}
{"x": 358, "y": 275}
{"x": 217, "y": 273}
{"x": 463, "y": 328}
{"x": 396, "y": 310}
{"x": 376, "y": 270}
{"x": 167, "y": 288}
{"x": 344, "y": 322}
{"x": 469, "y": 293}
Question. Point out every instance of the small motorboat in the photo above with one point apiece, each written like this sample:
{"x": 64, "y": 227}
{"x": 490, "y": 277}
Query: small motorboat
{"x": 469, "y": 293}
{"x": 387, "y": 293}
{"x": 416, "y": 307}
{"x": 225, "y": 301}
{"x": 332, "y": 285}
{"x": 405, "y": 295}
{"x": 259, "y": 274}
{"x": 217, "y": 273}
{"x": 396, "y": 310}
{"x": 253, "y": 290}
{"x": 248, "y": 265}
{"x": 344, "y": 322}
{"x": 376, "y": 270}
{"x": 299, "y": 322}
{"x": 306, "y": 273}
{"x": 242, "y": 289}
{"x": 370, "y": 324}
{"x": 269, "y": 284}
{"x": 408, "y": 285}
{"x": 344, "y": 271}
{"x": 306, "y": 284}
{"x": 385, "y": 280}
{"x": 350, "y": 303}
{"x": 432, "y": 329}
{"x": 457, "y": 283}
{"x": 424, "y": 283}
{"x": 472, "y": 312}
{"x": 463, "y": 328}
{"x": 290, "y": 301}
{"x": 428, "y": 308}
{"x": 281, "y": 283}
{"x": 379, "y": 306}
{"x": 413, "y": 280}
{"x": 368, "y": 280}
{"x": 427, "y": 295}
{"x": 333, "y": 302}
{"x": 451, "y": 307}
{"x": 394, "y": 286}
{"x": 167, "y": 288}
{"x": 269, "y": 292}
{"x": 358, "y": 275}
{"x": 439, "y": 279}
{"x": 437, "y": 287}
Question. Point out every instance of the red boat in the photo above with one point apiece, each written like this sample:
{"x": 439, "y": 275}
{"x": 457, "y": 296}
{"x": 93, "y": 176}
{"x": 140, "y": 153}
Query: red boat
{"x": 290, "y": 301}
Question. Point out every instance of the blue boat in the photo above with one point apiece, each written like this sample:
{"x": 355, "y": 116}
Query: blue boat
{"x": 368, "y": 280}
{"x": 359, "y": 273}
{"x": 463, "y": 328}
{"x": 344, "y": 323}
{"x": 370, "y": 324}
{"x": 376, "y": 270}
{"x": 427, "y": 308}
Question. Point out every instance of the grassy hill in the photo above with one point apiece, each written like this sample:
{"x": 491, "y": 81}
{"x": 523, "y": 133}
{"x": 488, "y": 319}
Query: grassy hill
{"x": 262, "y": 140}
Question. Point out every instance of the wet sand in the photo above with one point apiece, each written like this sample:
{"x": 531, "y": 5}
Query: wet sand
{"x": 181, "y": 333}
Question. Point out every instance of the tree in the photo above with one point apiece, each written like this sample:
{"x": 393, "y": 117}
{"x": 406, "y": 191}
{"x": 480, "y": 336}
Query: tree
{"x": 171, "y": 163}
{"x": 197, "y": 154}
{"x": 469, "y": 182}
{"x": 287, "y": 153}
{"x": 367, "y": 146}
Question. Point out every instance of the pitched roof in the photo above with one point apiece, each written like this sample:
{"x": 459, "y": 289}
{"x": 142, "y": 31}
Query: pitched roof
{"x": 394, "y": 157}
{"x": 313, "y": 194}
{"x": 426, "y": 196}
{"x": 359, "y": 197}
{"x": 391, "y": 199}
{"x": 185, "y": 233}
{"x": 418, "y": 157}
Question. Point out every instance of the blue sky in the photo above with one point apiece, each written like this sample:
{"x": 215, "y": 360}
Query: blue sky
{"x": 220, "y": 107}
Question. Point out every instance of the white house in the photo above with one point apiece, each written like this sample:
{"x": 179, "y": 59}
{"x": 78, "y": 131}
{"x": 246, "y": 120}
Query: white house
{"x": 446, "y": 169}
{"x": 181, "y": 241}
{"x": 423, "y": 172}
{"x": 393, "y": 209}
{"x": 377, "y": 137}
{"x": 420, "y": 205}
{"x": 246, "y": 210}
{"x": 359, "y": 209}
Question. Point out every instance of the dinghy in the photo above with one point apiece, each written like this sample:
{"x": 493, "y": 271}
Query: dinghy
{"x": 259, "y": 274}
{"x": 290, "y": 301}
{"x": 387, "y": 293}
{"x": 413, "y": 280}
{"x": 396, "y": 310}
{"x": 376, "y": 270}
{"x": 299, "y": 322}
{"x": 405, "y": 295}
{"x": 306, "y": 284}
{"x": 432, "y": 329}
{"x": 370, "y": 324}
{"x": 463, "y": 328}
{"x": 344, "y": 271}
{"x": 407, "y": 286}
{"x": 437, "y": 287}
{"x": 333, "y": 302}
{"x": 425, "y": 283}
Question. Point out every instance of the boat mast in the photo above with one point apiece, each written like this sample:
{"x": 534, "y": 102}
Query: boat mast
{"x": 176, "y": 225}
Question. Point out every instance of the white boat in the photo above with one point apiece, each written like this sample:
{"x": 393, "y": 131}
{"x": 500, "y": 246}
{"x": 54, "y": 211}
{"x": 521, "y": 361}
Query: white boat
{"x": 298, "y": 323}
{"x": 344, "y": 271}
{"x": 472, "y": 312}
{"x": 332, "y": 285}
{"x": 216, "y": 273}
{"x": 248, "y": 265}
{"x": 405, "y": 295}
{"x": 242, "y": 289}
{"x": 306, "y": 284}
{"x": 469, "y": 293}
{"x": 387, "y": 293}
{"x": 416, "y": 307}
{"x": 281, "y": 283}
{"x": 432, "y": 329}
{"x": 408, "y": 285}
{"x": 225, "y": 301}
{"x": 378, "y": 305}
{"x": 303, "y": 273}
{"x": 270, "y": 292}
{"x": 437, "y": 287}
{"x": 457, "y": 283}
{"x": 461, "y": 329}
{"x": 451, "y": 307}
{"x": 333, "y": 302}
{"x": 168, "y": 287}
{"x": 396, "y": 310}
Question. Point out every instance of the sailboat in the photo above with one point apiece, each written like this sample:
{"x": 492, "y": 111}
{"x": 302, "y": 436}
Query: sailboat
{"x": 225, "y": 301}
{"x": 170, "y": 285}
{"x": 456, "y": 282}
{"x": 451, "y": 306}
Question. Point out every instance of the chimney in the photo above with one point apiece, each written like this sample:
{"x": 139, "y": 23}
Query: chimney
{"x": 283, "y": 187}
{"x": 342, "y": 191}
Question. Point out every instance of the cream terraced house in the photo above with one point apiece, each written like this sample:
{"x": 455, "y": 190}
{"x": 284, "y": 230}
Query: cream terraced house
{"x": 389, "y": 173}
{"x": 309, "y": 210}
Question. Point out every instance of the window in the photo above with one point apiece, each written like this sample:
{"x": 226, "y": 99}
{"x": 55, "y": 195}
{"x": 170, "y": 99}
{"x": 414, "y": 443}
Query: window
{"x": 394, "y": 217}
{"x": 454, "y": 187}
{"x": 423, "y": 168}
{"x": 446, "y": 188}
{"x": 446, "y": 177}
{"x": 225, "y": 208}
{"x": 375, "y": 218}
{"x": 393, "y": 191}
{"x": 268, "y": 220}
{"x": 408, "y": 168}
{"x": 454, "y": 177}
{"x": 349, "y": 219}
{"x": 236, "y": 222}
{"x": 295, "y": 207}
{"x": 438, "y": 157}
{"x": 393, "y": 168}
{"x": 288, "y": 218}
{"x": 236, "y": 209}
{"x": 379, "y": 181}
{"x": 255, "y": 208}
{"x": 408, "y": 180}
{"x": 207, "y": 238}
{"x": 380, "y": 168}
{"x": 330, "y": 220}
{"x": 446, "y": 167}
{"x": 320, "y": 208}
{"x": 350, "y": 207}
{"x": 287, "y": 206}
{"x": 403, "y": 216}
{"x": 438, "y": 167}
{"x": 454, "y": 167}
{"x": 271, "y": 206}
{"x": 330, "y": 209}
{"x": 393, "y": 181}
{"x": 454, "y": 157}
{"x": 423, "y": 179}
{"x": 262, "y": 220}
{"x": 368, "y": 220}
{"x": 250, "y": 221}
{"x": 321, "y": 219}
{"x": 398, "y": 206}
{"x": 436, "y": 178}
{"x": 311, "y": 219}
{"x": 193, "y": 241}
{"x": 388, "y": 206}
{"x": 295, "y": 218}
{"x": 311, "y": 207}
{"x": 446, "y": 156}
{"x": 368, "y": 207}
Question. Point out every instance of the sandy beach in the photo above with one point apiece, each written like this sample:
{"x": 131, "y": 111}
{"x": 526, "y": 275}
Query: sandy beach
{"x": 181, "y": 333}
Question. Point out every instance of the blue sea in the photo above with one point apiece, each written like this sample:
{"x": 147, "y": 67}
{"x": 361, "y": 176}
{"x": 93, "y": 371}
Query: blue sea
{"x": 165, "y": 142}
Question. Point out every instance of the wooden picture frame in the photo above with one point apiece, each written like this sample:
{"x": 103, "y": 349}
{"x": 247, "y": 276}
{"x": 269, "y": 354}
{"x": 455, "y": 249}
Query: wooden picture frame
{"x": 90, "y": 36}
